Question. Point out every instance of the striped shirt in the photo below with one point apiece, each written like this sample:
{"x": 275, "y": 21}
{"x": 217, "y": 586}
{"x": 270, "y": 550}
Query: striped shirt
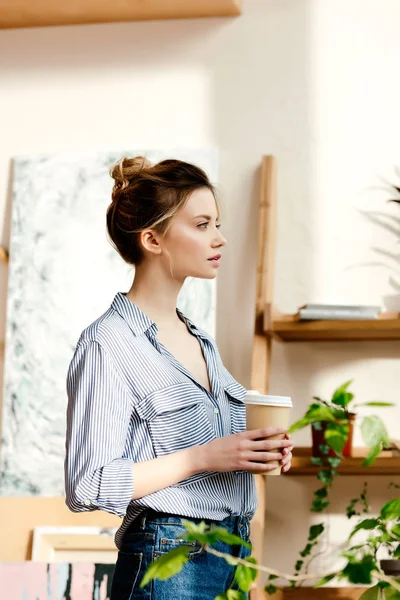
{"x": 130, "y": 400}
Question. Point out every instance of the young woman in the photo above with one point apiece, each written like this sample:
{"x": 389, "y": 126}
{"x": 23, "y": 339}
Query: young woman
{"x": 156, "y": 425}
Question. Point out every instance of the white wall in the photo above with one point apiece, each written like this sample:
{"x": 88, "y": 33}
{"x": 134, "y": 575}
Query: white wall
{"x": 313, "y": 82}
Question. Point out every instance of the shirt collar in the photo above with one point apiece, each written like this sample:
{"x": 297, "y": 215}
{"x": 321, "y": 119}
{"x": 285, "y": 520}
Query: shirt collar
{"x": 139, "y": 322}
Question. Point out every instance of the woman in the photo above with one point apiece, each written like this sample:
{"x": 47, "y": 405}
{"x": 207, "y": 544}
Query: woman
{"x": 156, "y": 426}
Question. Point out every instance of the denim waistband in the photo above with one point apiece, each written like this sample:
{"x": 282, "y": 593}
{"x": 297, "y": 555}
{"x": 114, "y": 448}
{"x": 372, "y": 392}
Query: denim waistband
{"x": 150, "y": 515}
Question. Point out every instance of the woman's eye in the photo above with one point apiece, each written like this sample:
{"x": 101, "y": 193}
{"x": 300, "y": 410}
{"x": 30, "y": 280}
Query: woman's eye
{"x": 204, "y": 225}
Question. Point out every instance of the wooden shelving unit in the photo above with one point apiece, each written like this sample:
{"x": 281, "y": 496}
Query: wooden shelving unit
{"x": 270, "y": 325}
{"x": 330, "y": 331}
{"x": 387, "y": 463}
{"x": 44, "y": 13}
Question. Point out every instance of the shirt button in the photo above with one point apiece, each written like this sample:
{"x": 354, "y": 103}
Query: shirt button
{"x": 216, "y": 411}
{"x": 87, "y": 503}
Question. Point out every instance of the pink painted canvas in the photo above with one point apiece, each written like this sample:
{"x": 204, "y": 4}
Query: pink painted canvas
{"x": 56, "y": 581}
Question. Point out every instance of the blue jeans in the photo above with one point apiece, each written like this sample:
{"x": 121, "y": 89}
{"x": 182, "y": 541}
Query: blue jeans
{"x": 203, "y": 577}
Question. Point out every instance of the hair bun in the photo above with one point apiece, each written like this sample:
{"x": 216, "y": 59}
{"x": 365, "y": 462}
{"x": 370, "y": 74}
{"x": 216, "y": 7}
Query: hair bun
{"x": 126, "y": 169}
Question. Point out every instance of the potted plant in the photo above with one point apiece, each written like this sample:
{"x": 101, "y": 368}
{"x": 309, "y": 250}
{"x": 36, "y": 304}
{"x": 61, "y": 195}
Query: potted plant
{"x": 332, "y": 424}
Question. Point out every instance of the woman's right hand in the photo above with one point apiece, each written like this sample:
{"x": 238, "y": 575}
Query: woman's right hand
{"x": 245, "y": 451}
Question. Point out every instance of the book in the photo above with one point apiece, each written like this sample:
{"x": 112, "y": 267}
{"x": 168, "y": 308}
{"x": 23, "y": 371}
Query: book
{"x": 310, "y": 312}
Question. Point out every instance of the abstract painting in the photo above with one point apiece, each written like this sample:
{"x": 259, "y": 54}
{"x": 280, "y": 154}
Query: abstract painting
{"x": 57, "y": 581}
{"x": 64, "y": 274}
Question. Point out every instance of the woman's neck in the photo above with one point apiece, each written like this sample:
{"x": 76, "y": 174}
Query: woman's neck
{"x": 156, "y": 296}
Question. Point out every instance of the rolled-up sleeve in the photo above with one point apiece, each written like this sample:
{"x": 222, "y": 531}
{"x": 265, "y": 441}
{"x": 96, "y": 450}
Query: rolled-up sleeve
{"x": 97, "y": 476}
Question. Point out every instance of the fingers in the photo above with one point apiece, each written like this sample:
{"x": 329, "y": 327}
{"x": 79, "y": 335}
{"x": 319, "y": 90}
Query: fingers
{"x": 266, "y": 432}
{"x": 260, "y": 467}
{"x": 261, "y": 445}
{"x": 263, "y": 457}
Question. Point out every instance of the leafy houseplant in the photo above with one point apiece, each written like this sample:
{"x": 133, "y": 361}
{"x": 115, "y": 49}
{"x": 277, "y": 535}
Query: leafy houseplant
{"x": 383, "y": 535}
{"x": 332, "y": 421}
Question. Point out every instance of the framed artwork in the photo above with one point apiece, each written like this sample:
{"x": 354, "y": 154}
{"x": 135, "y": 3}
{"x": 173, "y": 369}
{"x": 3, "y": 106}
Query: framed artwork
{"x": 63, "y": 275}
{"x": 74, "y": 544}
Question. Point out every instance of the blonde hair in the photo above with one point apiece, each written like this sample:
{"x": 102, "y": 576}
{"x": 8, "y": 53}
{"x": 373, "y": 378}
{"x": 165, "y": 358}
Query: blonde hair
{"x": 148, "y": 196}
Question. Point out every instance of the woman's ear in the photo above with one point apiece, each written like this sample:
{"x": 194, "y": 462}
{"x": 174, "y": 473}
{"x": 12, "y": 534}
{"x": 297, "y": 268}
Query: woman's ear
{"x": 150, "y": 241}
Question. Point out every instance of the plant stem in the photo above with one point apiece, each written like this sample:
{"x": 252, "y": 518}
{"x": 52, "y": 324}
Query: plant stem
{"x": 265, "y": 569}
{"x": 395, "y": 584}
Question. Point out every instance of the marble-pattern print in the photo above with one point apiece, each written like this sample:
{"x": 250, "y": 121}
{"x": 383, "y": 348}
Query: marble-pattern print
{"x": 63, "y": 274}
{"x": 55, "y": 581}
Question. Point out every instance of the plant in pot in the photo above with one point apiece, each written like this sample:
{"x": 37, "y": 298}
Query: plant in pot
{"x": 332, "y": 426}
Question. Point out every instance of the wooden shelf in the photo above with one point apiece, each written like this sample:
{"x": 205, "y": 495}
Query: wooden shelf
{"x": 319, "y": 331}
{"x": 387, "y": 463}
{"x": 43, "y": 13}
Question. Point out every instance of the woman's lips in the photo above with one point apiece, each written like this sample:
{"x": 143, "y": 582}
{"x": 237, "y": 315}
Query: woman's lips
{"x": 216, "y": 260}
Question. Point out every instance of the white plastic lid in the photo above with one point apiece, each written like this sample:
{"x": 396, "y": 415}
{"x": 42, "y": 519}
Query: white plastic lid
{"x": 254, "y": 397}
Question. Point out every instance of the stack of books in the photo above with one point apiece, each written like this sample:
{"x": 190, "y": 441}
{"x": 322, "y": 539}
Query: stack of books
{"x": 313, "y": 312}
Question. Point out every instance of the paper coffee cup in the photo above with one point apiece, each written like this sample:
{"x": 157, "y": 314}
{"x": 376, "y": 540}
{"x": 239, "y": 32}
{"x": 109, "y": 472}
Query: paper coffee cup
{"x": 267, "y": 411}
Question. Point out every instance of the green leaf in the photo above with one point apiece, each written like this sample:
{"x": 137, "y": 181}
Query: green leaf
{"x": 245, "y": 575}
{"x": 336, "y": 435}
{"x": 316, "y": 460}
{"x": 315, "y": 412}
{"x": 324, "y": 448}
{"x": 199, "y": 533}
{"x": 271, "y": 589}
{"x": 391, "y": 593}
{"x": 298, "y": 565}
{"x": 395, "y": 531}
{"x": 366, "y": 524}
{"x": 334, "y": 461}
{"x": 373, "y": 593}
{"x": 374, "y": 432}
{"x": 231, "y": 595}
{"x": 391, "y": 510}
{"x": 167, "y": 565}
{"x": 325, "y": 580}
{"x": 315, "y": 531}
{"x": 319, "y": 505}
{"x": 321, "y": 492}
{"x": 397, "y": 552}
{"x": 325, "y": 477}
{"x": 375, "y": 404}
{"x": 306, "y": 551}
{"x": 341, "y": 396}
{"x": 373, "y": 453}
{"x": 360, "y": 571}
{"x": 230, "y": 538}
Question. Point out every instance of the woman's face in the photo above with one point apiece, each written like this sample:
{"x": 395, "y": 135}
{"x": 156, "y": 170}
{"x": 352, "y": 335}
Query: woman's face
{"x": 193, "y": 238}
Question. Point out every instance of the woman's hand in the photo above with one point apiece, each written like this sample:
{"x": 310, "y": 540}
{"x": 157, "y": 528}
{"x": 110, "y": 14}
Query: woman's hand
{"x": 286, "y": 461}
{"x": 246, "y": 451}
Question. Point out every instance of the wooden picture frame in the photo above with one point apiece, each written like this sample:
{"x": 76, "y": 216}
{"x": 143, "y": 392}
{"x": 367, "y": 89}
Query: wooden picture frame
{"x": 74, "y": 544}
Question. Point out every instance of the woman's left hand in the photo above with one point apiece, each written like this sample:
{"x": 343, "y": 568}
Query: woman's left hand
{"x": 286, "y": 461}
